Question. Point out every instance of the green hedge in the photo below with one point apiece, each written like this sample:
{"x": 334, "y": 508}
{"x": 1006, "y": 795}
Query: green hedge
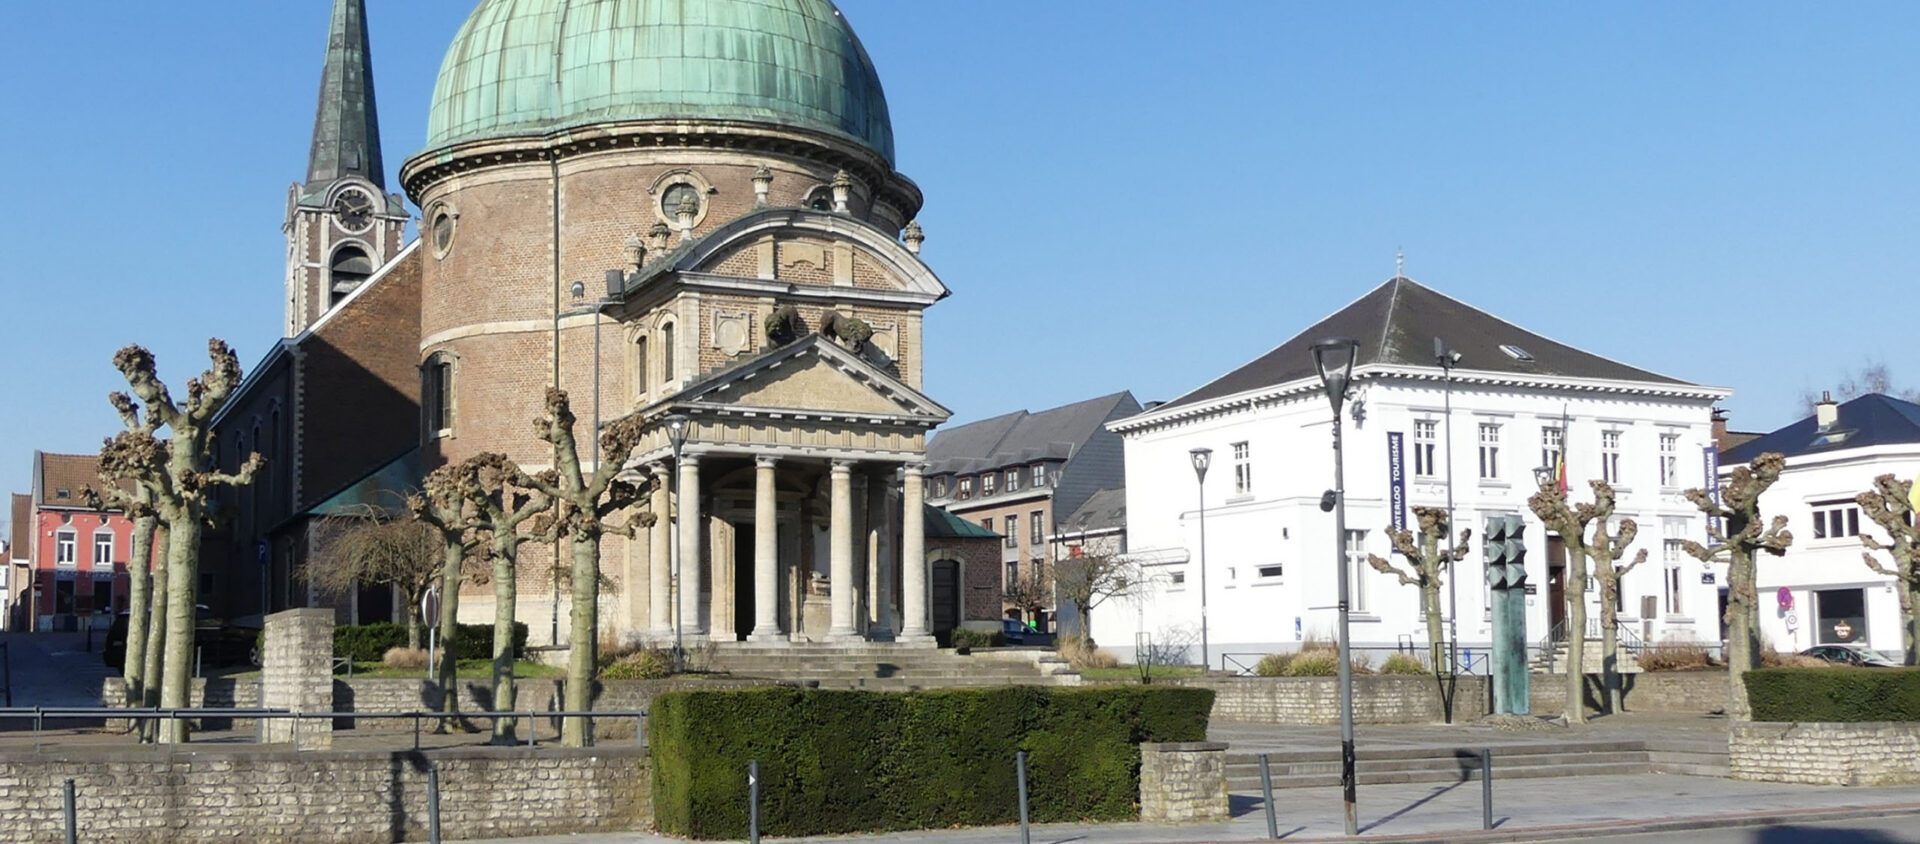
{"x": 836, "y": 762}
{"x": 1834, "y": 694}
{"x": 370, "y": 642}
{"x": 976, "y": 639}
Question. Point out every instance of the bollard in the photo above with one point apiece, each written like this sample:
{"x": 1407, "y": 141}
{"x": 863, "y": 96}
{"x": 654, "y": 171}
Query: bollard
{"x": 753, "y": 801}
{"x": 73, "y": 826}
{"x": 1266, "y": 789}
{"x": 1486, "y": 788}
{"x": 1020, "y": 771}
{"x": 433, "y": 804}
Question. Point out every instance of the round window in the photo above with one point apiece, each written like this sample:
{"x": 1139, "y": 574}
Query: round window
{"x": 677, "y": 196}
{"x": 442, "y": 231}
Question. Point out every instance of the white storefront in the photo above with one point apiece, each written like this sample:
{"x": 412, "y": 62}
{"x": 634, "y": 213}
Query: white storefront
{"x": 1821, "y": 592}
{"x": 1270, "y": 549}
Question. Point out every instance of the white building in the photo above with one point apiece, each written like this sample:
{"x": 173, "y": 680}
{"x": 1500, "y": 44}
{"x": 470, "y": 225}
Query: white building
{"x": 1821, "y": 592}
{"x": 1515, "y": 397}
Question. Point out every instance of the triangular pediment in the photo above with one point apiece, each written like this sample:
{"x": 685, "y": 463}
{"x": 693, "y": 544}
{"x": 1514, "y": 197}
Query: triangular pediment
{"x": 814, "y": 376}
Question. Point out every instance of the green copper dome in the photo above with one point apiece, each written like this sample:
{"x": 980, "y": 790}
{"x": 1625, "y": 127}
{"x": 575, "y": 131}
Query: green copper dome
{"x": 529, "y": 67}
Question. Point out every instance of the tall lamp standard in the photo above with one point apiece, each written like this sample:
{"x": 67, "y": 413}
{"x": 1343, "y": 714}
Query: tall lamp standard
{"x": 1202, "y": 458}
{"x": 1333, "y": 358}
{"x": 1448, "y": 359}
{"x": 677, "y": 434}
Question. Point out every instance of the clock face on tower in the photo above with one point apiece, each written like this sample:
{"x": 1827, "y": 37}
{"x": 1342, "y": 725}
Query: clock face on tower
{"x": 354, "y": 210}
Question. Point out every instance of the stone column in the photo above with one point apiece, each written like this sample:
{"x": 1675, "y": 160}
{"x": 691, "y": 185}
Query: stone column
{"x": 1183, "y": 782}
{"x": 296, "y": 674}
{"x": 880, "y": 527}
{"x": 660, "y": 558}
{"x": 914, "y": 625}
{"x": 766, "y": 555}
{"x": 690, "y": 542}
{"x": 840, "y": 553}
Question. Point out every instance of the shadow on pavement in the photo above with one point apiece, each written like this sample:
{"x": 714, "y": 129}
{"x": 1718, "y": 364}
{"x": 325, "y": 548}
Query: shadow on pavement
{"x": 1822, "y": 835}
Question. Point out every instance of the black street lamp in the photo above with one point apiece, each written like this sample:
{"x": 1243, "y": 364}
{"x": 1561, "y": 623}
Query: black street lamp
{"x": 677, "y": 435}
{"x": 1333, "y": 358}
{"x": 1448, "y": 359}
{"x": 1202, "y": 458}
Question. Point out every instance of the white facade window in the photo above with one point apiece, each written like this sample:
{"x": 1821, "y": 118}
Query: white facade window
{"x": 65, "y": 548}
{"x": 103, "y": 549}
{"x": 1669, "y": 460}
{"x": 1013, "y": 480}
{"x": 1672, "y": 555}
{"x": 1426, "y": 438}
{"x": 1489, "y": 451}
{"x": 1040, "y": 474}
{"x": 1553, "y": 442}
{"x": 1177, "y": 580}
{"x": 1242, "y": 469}
{"x": 1836, "y": 520}
{"x": 1013, "y": 534}
{"x": 1610, "y": 456}
{"x": 1356, "y": 567}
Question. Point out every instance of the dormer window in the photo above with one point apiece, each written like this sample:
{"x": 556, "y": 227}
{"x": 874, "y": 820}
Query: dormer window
{"x": 966, "y": 489}
{"x": 1039, "y": 474}
{"x": 988, "y": 480}
{"x": 1013, "y": 480}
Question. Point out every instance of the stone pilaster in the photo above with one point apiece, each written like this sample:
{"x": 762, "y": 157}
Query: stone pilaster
{"x": 296, "y": 674}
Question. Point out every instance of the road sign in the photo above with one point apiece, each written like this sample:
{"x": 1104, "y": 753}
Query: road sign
{"x": 430, "y": 606}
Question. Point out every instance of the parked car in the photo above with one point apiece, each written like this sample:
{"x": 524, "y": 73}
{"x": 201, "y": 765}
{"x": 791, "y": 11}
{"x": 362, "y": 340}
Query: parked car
{"x": 1016, "y": 632}
{"x": 220, "y": 641}
{"x": 1844, "y": 655}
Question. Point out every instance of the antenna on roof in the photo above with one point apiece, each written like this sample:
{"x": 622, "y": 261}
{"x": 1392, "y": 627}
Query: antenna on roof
{"x": 1399, "y": 263}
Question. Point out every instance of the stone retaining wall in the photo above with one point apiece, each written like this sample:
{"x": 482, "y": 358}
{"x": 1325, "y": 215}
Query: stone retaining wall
{"x": 1184, "y": 782}
{"x": 347, "y": 797}
{"x": 1377, "y": 699}
{"x": 1646, "y": 691}
{"x": 1867, "y": 753}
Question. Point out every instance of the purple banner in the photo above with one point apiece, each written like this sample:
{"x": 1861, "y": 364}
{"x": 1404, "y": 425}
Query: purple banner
{"x": 1397, "y": 478}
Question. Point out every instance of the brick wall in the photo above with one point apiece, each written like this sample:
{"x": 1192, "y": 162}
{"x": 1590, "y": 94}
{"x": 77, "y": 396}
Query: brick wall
{"x": 1377, "y": 699}
{"x": 336, "y": 796}
{"x": 1876, "y": 753}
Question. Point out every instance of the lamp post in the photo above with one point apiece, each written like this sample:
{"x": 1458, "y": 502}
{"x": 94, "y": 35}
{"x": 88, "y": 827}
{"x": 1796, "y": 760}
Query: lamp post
{"x": 677, "y": 435}
{"x": 1448, "y": 358}
{"x": 1333, "y": 359}
{"x": 1202, "y": 458}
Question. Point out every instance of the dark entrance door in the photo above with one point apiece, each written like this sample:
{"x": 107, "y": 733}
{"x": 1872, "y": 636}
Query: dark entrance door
{"x": 946, "y": 597}
{"x": 743, "y": 582}
{"x": 1557, "y": 588}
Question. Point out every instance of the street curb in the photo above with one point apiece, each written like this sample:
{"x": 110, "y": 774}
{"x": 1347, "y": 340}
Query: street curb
{"x": 1673, "y": 824}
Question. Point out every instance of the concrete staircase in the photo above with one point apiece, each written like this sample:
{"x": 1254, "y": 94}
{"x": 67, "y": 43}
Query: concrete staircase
{"x": 882, "y": 666}
{"x": 1316, "y": 768}
{"x": 1554, "y": 661}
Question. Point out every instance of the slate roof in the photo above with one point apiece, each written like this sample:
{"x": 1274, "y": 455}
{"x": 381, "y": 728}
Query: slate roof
{"x": 1021, "y": 437}
{"x": 1396, "y": 323}
{"x": 346, "y": 123}
{"x": 1104, "y": 510}
{"x": 1870, "y": 420}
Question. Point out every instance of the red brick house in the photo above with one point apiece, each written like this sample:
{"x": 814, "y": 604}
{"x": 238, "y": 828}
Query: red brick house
{"x": 76, "y": 555}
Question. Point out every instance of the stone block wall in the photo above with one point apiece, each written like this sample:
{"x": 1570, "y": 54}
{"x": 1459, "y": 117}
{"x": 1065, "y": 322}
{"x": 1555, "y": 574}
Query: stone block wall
{"x": 1868, "y": 753}
{"x": 1377, "y": 699}
{"x": 1183, "y": 782}
{"x": 1646, "y": 691}
{"x": 296, "y": 674}
{"x": 348, "y": 797}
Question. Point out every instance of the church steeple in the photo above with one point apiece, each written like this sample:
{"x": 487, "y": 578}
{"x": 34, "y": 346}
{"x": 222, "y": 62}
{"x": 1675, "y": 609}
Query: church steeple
{"x": 346, "y": 129}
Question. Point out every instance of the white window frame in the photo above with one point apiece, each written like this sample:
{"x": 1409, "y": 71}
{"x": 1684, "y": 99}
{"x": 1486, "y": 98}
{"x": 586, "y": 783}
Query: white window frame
{"x": 1610, "y": 456}
{"x": 1242, "y": 468}
{"x": 66, "y": 548}
{"x": 965, "y": 490}
{"x": 1013, "y": 480}
{"x": 1039, "y": 475}
{"x": 1669, "y": 460}
{"x": 989, "y": 482}
{"x": 99, "y": 534}
{"x": 1426, "y": 441}
{"x": 1835, "y": 520}
{"x": 1489, "y": 451}
{"x": 1356, "y": 547}
{"x": 1553, "y": 444}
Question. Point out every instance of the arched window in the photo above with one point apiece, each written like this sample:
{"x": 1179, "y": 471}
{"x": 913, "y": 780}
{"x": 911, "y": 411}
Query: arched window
{"x": 436, "y": 395}
{"x": 350, "y": 267}
{"x": 666, "y": 353}
{"x": 640, "y": 366}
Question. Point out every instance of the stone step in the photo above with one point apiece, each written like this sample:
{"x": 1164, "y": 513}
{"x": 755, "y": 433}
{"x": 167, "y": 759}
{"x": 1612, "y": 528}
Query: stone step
{"x": 1251, "y": 770}
{"x": 1365, "y": 777}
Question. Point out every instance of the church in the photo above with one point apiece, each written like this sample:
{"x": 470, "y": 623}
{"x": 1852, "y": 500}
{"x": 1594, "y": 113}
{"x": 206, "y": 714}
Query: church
{"x": 666, "y": 210}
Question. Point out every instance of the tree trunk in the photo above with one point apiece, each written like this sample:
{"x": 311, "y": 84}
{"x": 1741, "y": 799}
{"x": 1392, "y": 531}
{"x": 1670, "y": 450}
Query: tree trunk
{"x": 176, "y": 677}
{"x": 133, "y": 666}
{"x": 581, "y": 656}
{"x": 414, "y": 623}
{"x": 1909, "y": 599}
{"x": 1743, "y": 641}
{"x": 1436, "y": 648}
{"x": 1610, "y": 642}
{"x": 1576, "y": 592}
{"x": 155, "y": 646}
{"x": 450, "y": 577}
{"x": 504, "y": 597}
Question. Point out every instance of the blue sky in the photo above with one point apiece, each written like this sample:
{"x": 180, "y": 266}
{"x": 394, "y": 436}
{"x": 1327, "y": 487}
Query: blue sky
{"x": 1122, "y": 195}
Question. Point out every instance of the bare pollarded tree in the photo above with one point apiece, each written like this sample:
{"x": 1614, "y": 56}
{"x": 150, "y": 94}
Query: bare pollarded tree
{"x": 127, "y": 487}
{"x": 1570, "y": 522}
{"x": 368, "y": 546}
{"x": 1427, "y": 561}
{"x": 1606, "y": 552}
{"x": 181, "y": 491}
{"x": 1890, "y": 505}
{"x": 1738, "y": 540}
{"x": 502, "y": 502}
{"x": 441, "y": 505}
{"x": 584, "y": 505}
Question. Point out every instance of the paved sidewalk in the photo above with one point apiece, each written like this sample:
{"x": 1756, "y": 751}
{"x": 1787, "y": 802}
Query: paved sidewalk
{"x": 1554, "y": 809}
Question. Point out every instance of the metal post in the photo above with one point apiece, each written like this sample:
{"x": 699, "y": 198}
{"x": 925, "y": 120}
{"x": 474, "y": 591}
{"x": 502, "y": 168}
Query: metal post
{"x": 753, "y": 801}
{"x": 533, "y": 736}
{"x": 1020, "y": 771}
{"x": 73, "y": 823}
{"x": 1453, "y": 593}
{"x": 433, "y": 804}
{"x": 1345, "y": 647}
{"x": 1203, "y": 571}
{"x": 416, "y": 731}
{"x": 1266, "y": 790}
{"x": 1486, "y": 788}
{"x": 673, "y": 526}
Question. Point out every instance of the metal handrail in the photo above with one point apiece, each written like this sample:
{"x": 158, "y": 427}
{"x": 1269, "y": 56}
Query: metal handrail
{"x": 39, "y": 714}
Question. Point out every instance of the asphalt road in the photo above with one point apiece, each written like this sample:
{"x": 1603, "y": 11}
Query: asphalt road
{"x": 1894, "y": 830}
{"x": 54, "y": 669}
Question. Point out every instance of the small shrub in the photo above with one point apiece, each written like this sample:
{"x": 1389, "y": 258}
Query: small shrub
{"x": 1273, "y": 665}
{"x": 405, "y": 659}
{"x": 368, "y": 642}
{"x": 1315, "y": 663}
{"x": 1836, "y": 694}
{"x": 1081, "y": 653}
{"x": 1674, "y": 656}
{"x": 637, "y": 665}
{"x": 1403, "y": 664}
{"x": 1769, "y": 658}
{"x": 475, "y": 641}
{"x": 975, "y": 639}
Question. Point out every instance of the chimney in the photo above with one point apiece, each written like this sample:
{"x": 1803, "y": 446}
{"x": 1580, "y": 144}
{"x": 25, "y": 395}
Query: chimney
{"x": 1826, "y": 413}
{"x": 1719, "y": 429}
